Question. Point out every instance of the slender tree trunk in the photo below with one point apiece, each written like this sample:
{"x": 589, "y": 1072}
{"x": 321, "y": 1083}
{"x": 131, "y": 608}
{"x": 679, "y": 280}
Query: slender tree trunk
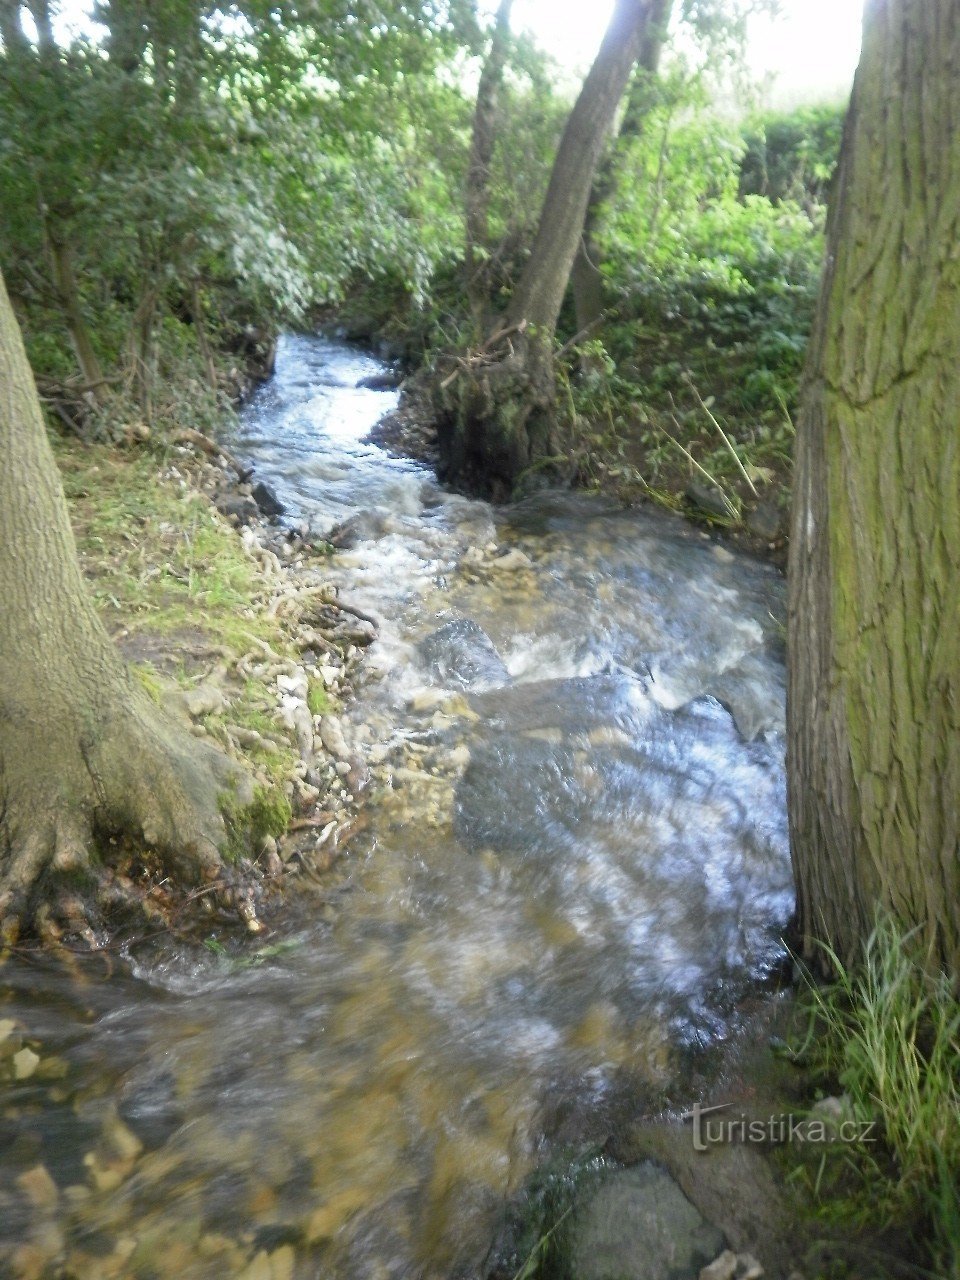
{"x": 126, "y": 20}
{"x": 874, "y": 696}
{"x": 200, "y": 328}
{"x": 539, "y": 295}
{"x": 482, "y": 145}
{"x": 586, "y": 279}
{"x": 84, "y": 753}
{"x": 11, "y": 29}
{"x": 40, "y": 12}
{"x": 497, "y": 410}
{"x": 65, "y": 279}
{"x": 142, "y": 359}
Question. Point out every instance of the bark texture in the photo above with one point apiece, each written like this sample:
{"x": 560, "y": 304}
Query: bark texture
{"x": 496, "y": 409}
{"x": 874, "y": 696}
{"x": 84, "y": 753}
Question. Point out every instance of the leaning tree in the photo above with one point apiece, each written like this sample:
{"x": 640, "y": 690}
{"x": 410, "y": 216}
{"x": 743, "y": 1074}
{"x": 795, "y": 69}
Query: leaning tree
{"x": 496, "y": 404}
{"x": 874, "y": 628}
{"x": 85, "y": 755}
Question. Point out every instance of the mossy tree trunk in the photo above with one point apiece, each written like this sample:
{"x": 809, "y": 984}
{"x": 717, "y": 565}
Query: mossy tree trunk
{"x": 85, "y": 755}
{"x": 874, "y": 696}
{"x": 497, "y": 408}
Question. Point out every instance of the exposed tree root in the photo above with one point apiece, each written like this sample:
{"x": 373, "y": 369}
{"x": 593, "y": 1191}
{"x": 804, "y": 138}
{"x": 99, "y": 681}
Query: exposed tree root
{"x": 140, "y": 783}
{"x": 496, "y": 414}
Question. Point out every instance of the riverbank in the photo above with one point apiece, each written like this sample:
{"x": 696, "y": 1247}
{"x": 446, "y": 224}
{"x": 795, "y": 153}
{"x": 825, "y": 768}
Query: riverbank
{"x": 226, "y": 616}
{"x": 749, "y": 510}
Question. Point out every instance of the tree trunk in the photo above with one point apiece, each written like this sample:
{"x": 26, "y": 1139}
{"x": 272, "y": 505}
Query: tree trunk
{"x": 496, "y": 410}
{"x": 84, "y": 754}
{"x": 65, "y": 279}
{"x": 874, "y": 695}
{"x": 142, "y": 358}
{"x": 11, "y": 29}
{"x": 478, "y": 171}
{"x": 586, "y": 279}
{"x": 127, "y": 40}
{"x": 40, "y": 12}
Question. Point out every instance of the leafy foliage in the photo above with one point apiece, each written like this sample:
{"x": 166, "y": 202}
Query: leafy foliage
{"x": 224, "y": 169}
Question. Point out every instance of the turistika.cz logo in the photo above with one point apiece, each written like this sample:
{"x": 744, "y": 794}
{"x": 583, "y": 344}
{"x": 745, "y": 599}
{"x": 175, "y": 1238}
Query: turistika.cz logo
{"x": 710, "y": 1128}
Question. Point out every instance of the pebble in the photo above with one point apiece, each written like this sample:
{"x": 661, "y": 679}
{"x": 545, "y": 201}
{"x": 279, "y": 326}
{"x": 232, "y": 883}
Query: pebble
{"x": 331, "y": 735}
{"x": 732, "y": 1266}
{"x": 428, "y": 699}
{"x": 39, "y": 1188}
{"x": 205, "y": 699}
{"x": 513, "y": 560}
{"x": 297, "y": 684}
{"x": 259, "y": 1268}
{"x": 122, "y": 1141}
{"x": 7, "y": 1028}
{"x": 722, "y": 1268}
{"x": 25, "y": 1064}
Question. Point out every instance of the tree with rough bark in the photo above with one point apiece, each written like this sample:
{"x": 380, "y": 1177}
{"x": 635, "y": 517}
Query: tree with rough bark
{"x": 496, "y": 406}
{"x": 85, "y": 755}
{"x": 874, "y": 625}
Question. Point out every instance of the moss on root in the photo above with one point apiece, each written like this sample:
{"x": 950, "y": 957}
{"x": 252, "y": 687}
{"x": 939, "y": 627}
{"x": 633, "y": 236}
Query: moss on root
{"x": 248, "y": 825}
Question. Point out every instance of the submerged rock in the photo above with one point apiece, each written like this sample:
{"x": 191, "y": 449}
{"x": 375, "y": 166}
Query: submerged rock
{"x": 709, "y": 499}
{"x": 638, "y": 1225}
{"x": 389, "y": 381}
{"x": 362, "y": 526}
{"x": 462, "y": 653}
{"x": 267, "y": 500}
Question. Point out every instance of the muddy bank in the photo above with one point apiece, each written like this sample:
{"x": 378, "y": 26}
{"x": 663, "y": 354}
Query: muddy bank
{"x": 761, "y": 530}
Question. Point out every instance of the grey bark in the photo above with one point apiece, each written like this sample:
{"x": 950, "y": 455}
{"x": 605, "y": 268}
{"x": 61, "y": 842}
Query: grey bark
{"x": 874, "y": 686}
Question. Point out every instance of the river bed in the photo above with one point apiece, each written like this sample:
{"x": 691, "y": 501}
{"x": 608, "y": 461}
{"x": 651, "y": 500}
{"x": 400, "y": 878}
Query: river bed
{"x": 575, "y": 867}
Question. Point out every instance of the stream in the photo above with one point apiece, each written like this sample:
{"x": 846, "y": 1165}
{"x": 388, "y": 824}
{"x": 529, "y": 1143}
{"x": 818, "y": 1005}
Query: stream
{"x": 576, "y": 868}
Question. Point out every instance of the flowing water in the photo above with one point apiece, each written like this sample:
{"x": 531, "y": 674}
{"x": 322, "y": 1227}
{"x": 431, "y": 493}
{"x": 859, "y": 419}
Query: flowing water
{"x": 576, "y": 866}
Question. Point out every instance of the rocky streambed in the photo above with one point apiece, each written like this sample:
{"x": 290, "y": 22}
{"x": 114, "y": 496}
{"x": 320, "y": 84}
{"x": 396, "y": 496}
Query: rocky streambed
{"x": 566, "y": 746}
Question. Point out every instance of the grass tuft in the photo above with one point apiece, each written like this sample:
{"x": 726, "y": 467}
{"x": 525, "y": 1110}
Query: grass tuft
{"x": 889, "y": 1033}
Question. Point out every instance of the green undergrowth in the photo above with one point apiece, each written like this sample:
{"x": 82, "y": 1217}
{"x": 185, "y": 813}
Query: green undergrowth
{"x": 158, "y": 557}
{"x": 172, "y": 582}
{"x": 887, "y": 1036}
